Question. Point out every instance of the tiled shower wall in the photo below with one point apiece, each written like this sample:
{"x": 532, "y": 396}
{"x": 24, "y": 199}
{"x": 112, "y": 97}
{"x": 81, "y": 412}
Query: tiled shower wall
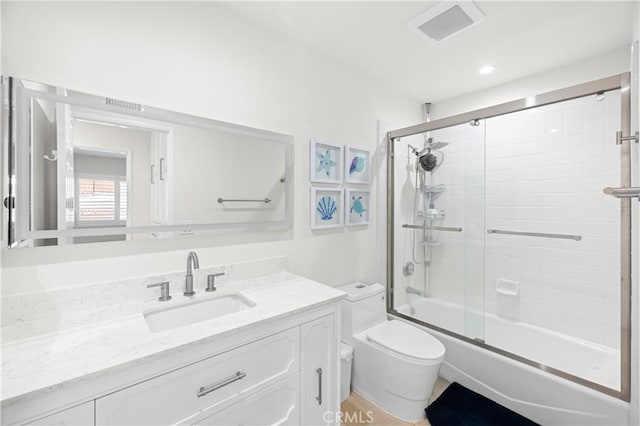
{"x": 545, "y": 171}
{"x": 540, "y": 170}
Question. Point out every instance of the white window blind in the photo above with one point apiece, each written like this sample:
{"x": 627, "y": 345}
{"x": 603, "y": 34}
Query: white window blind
{"x": 101, "y": 201}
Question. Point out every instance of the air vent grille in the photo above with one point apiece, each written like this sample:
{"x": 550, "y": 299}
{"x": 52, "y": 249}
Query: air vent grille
{"x": 123, "y": 104}
{"x": 446, "y": 19}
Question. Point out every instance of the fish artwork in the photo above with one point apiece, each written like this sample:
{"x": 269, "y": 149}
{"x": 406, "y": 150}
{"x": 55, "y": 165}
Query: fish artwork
{"x": 356, "y": 206}
{"x": 357, "y": 165}
{"x": 326, "y": 207}
{"x": 325, "y": 162}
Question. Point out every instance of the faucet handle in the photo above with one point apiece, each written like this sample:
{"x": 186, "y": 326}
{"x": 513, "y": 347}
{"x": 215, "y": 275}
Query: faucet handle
{"x": 164, "y": 290}
{"x": 211, "y": 281}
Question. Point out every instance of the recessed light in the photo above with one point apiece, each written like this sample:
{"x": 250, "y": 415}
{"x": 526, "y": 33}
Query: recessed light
{"x": 487, "y": 69}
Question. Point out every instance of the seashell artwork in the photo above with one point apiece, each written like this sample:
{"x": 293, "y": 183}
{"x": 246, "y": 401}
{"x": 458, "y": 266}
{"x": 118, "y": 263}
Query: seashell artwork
{"x": 326, "y": 207}
{"x": 357, "y": 165}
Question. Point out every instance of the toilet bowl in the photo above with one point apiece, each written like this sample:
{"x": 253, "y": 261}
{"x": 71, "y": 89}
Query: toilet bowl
{"x": 395, "y": 365}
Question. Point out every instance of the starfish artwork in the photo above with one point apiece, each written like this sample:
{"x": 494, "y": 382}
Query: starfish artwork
{"x": 325, "y": 162}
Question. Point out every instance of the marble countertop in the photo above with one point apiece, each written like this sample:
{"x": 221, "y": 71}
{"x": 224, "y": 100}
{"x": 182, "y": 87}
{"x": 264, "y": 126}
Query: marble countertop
{"x": 41, "y": 363}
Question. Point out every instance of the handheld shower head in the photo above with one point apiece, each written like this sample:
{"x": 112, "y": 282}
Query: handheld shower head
{"x": 427, "y": 160}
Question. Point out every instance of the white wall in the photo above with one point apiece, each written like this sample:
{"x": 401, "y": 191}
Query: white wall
{"x": 613, "y": 63}
{"x": 201, "y": 59}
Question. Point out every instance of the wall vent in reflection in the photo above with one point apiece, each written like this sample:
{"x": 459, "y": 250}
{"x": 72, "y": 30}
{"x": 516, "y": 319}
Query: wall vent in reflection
{"x": 123, "y": 104}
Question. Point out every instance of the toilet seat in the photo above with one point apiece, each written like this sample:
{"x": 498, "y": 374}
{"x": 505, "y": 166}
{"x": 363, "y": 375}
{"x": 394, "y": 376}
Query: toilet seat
{"x": 406, "y": 340}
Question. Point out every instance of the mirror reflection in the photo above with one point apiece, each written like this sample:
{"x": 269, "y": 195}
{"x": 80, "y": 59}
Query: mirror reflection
{"x": 117, "y": 170}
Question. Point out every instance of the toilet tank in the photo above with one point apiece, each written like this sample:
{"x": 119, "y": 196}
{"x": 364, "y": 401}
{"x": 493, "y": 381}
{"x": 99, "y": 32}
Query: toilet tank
{"x": 362, "y": 308}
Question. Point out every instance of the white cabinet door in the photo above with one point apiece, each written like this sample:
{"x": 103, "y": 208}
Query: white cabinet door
{"x": 79, "y": 415}
{"x": 316, "y": 370}
{"x": 277, "y": 405}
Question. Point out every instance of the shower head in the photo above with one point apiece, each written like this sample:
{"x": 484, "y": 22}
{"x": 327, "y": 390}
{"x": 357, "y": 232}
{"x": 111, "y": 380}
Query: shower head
{"x": 433, "y": 144}
{"x": 439, "y": 144}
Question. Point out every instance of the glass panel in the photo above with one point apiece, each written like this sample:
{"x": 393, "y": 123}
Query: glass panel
{"x": 554, "y": 300}
{"x": 439, "y": 271}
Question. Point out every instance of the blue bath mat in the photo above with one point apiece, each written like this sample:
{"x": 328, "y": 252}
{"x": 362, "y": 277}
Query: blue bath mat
{"x": 459, "y": 406}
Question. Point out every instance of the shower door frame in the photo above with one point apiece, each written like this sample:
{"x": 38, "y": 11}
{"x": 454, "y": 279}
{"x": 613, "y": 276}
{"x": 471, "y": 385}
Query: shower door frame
{"x": 620, "y": 81}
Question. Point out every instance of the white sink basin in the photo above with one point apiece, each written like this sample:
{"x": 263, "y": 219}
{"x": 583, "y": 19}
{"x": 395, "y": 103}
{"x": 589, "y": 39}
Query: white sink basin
{"x": 197, "y": 311}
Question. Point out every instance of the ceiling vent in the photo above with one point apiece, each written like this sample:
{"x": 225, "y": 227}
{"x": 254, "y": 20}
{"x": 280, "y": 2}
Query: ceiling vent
{"x": 446, "y": 19}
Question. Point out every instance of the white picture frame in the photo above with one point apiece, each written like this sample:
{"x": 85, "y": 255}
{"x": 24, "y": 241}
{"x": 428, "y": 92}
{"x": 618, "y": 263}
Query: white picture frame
{"x": 326, "y": 208}
{"x": 357, "y": 165}
{"x": 357, "y": 207}
{"x": 326, "y": 162}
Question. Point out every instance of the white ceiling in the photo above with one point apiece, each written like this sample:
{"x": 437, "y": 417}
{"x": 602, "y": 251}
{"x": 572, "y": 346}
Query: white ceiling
{"x": 521, "y": 38}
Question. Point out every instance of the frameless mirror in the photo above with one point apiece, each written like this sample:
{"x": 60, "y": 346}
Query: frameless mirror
{"x": 86, "y": 168}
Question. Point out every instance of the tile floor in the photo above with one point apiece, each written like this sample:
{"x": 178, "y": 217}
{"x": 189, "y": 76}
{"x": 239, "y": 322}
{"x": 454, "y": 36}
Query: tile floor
{"x": 358, "y": 411}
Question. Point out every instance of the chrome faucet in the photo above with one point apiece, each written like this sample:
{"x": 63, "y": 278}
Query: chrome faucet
{"x": 192, "y": 259}
{"x": 412, "y": 290}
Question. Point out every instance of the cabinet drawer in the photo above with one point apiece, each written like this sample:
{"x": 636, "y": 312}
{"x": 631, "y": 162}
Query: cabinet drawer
{"x": 277, "y": 405}
{"x": 188, "y": 392}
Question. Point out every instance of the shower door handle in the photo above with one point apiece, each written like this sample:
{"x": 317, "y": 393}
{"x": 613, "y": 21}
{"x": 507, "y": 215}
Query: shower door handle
{"x": 629, "y": 192}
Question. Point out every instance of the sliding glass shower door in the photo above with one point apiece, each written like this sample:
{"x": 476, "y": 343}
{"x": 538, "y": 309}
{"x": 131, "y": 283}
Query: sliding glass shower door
{"x": 439, "y": 244}
{"x": 502, "y": 234}
{"x": 552, "y": 276}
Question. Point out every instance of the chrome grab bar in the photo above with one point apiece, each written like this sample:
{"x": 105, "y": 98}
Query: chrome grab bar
{"x": 630, "y": 192}
{"x": 238, "y": 376}
{"x": 434, "y": 228}
{"x": 223, "y": 200}
{"x": 535, "y": 234}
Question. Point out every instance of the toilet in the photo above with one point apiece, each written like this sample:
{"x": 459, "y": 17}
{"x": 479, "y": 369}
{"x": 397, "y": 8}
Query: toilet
{"x": 395, "y": 365}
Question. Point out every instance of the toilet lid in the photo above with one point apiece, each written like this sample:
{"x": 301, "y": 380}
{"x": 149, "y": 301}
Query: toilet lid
{"x": 406, "y": 340}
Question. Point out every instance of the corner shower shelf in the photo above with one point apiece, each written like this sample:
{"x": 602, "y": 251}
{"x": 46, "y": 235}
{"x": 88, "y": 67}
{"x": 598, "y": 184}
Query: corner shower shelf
{"x": 433, "y": 189}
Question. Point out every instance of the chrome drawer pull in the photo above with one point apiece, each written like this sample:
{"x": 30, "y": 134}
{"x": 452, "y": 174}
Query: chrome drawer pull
{"x": 319, "y": 397}
{"x": 238, "y": 376}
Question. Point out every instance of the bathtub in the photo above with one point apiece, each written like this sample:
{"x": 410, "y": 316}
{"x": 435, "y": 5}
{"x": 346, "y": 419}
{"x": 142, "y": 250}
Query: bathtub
{"x": 536, "y": 394}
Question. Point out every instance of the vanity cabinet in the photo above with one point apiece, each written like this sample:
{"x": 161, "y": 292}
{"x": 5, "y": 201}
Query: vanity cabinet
{"x": 279, "y": 372}
{"x": 286, "y": 378}
{"x": 187, "y": 393}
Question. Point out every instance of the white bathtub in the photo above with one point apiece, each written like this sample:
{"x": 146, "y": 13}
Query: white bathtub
{"x": 538, "y": 395}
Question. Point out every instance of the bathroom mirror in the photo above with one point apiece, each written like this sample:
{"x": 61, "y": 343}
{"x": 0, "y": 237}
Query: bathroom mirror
{"x": 85, "y": 168}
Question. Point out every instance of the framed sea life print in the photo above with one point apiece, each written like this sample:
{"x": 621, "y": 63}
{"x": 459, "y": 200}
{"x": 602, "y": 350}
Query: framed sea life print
{"x": 325, "y": 162}
{"x": 357, "y": 207}
{"x": 327, "y": 207}
{"x": 357, "y": 165}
